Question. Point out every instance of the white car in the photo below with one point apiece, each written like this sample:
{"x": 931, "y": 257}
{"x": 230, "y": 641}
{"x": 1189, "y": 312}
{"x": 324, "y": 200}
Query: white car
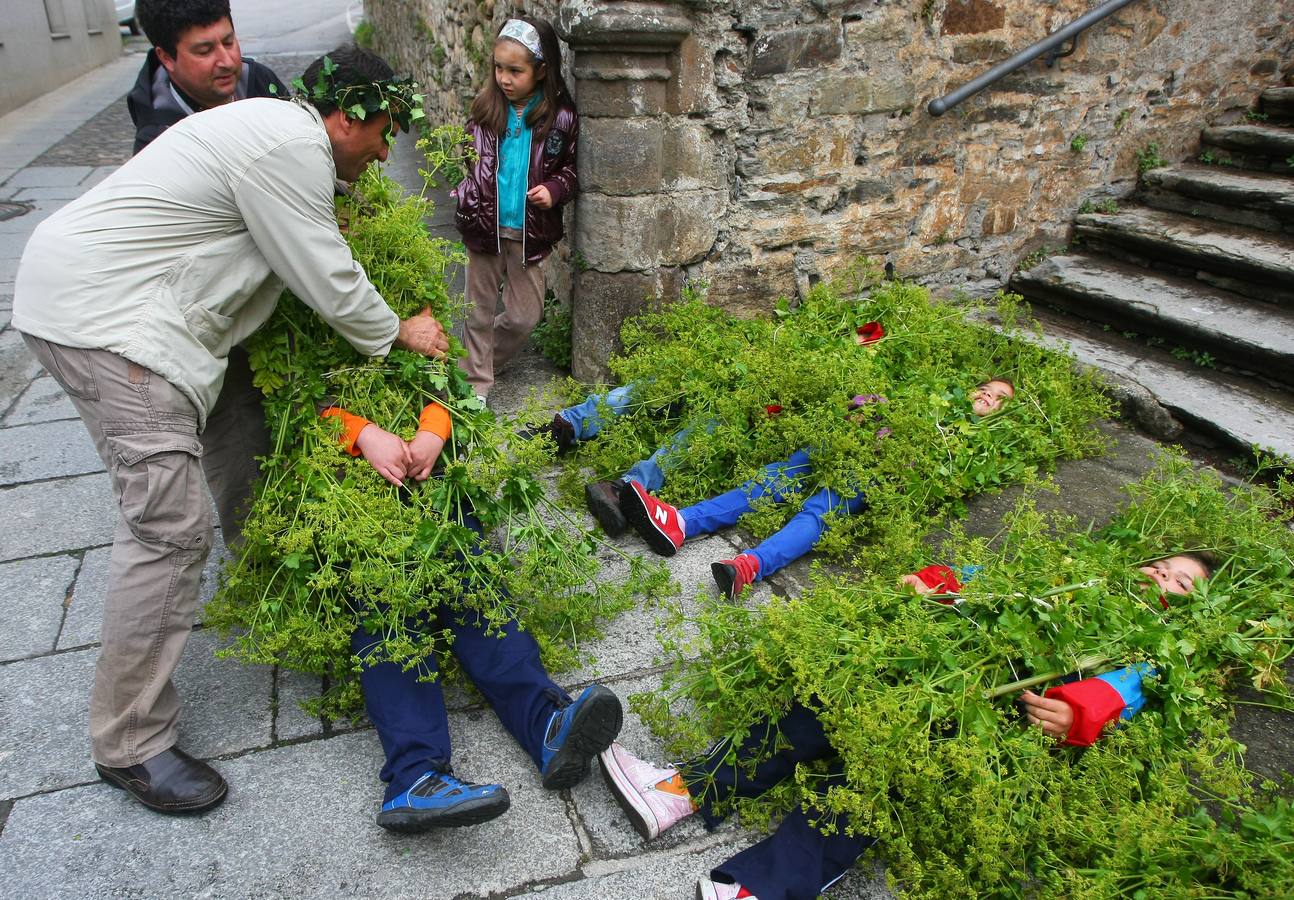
{"x": 126, "y": 15}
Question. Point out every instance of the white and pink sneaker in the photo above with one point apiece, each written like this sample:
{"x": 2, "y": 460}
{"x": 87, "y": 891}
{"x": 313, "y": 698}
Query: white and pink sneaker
{"x": 707, "y": 889}
{"x": 653, "y": 799}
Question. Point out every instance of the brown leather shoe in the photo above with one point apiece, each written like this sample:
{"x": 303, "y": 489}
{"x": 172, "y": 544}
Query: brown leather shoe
{"x": 603, "y": 498}
{"x": 171, "y": 782}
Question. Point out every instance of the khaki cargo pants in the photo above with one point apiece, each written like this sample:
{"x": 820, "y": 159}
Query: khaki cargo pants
{"x": 146, "y": 432}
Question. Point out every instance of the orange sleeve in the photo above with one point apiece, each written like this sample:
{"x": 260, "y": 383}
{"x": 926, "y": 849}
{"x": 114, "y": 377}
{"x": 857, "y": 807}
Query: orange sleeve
{"x": 435, "y": 418}
{"x": 351, "y": 426}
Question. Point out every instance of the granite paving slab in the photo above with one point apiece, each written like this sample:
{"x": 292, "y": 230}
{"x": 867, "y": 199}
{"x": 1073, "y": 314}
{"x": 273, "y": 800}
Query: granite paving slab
{"x": 48, "y": 176}
{"x": 17, "y": 366}
{"x": 12, "y": 244}
{"x": 60, "y": 192}
{"x": 85, "y": 609}
{"x": 298, "y": 822}
{"x": 44, "y": 400}
{"x": 56, "y": 516}
{"x": 23, "y": 226}
{"x": 290, "y": 721}
{"x": 8, "y": 272}
{"x": 45, "y": 725}
{"x": 227, "y": 705}
{"x": 6, "y": 315}
{"x": 35, "y": 591}
{"x": 46, "y": 450}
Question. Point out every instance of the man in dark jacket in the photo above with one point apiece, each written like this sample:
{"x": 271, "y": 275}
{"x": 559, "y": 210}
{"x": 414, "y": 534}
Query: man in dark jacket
{"x": 195, "y": 64}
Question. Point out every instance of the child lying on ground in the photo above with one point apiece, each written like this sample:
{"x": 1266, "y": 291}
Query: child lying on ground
{"x": 665, "y": 528}
{"x": 561, "y": 735}
{"x": 798, "y": 861}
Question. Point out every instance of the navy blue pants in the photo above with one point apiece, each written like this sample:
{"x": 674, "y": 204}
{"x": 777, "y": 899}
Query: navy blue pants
{"x": 410, "y": 715}
{"x": 797, "y": 861}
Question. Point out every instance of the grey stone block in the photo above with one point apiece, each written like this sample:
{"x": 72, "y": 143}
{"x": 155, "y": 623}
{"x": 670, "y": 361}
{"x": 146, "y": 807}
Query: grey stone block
{"x": 35, "y": 590}
{"x": 97, "y": 174}
{"x": 44, "y": 400}
{"x": 795, "y": 48}
{"x": 654, "y": 230}
{"x": 55, "y": 516}
{"x": 46, "y": 450}
{"x": 49, "y": 176}
{"x": 12, "y": 244}
{"x": 290, "y": 721}
{"x": 45, "y": 725}
{"x": 17, "y": 366}
{"x": 299, "y": 822}
{"x": 227, "y": 707}
{"x": 85, "y": 606}
{"x": 62, "y": 192}
{"x": 23, "y": 226}
{"x": 8, "y": 273}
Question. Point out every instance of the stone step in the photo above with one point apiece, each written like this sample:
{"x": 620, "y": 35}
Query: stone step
{"x": 1256, "y": 263}
{"x": 1264, "y": 147}
{"x": 1167, "y": 396}
{"x": 1255, "y": 199}
{"x": 1255, "y": 337}
{"x": 1278, "y": 103}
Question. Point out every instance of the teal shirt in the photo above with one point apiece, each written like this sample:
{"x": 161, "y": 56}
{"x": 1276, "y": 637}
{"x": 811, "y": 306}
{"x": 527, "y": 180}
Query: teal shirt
{"x": 514, "y": 165}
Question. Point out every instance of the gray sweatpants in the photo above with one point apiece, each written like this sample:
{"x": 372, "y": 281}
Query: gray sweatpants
{"x": 146, "y": 432}
{"x": 490, "y": 339}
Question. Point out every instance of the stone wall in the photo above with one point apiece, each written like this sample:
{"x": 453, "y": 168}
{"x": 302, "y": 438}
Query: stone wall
{"x": 763, "y": 145}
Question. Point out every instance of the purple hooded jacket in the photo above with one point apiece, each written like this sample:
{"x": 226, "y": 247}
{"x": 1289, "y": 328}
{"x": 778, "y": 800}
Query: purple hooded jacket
{"x": 552, "y": 164}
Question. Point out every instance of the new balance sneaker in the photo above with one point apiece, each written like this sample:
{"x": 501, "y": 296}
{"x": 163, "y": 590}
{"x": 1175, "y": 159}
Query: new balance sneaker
{"x": 603, "y": 498}
{"x": 439, "y": 800}
{"x": 578, "y": 733}
{"x": 561, "y": 431}
{"x": 708, "y": 889}
{"x": 659, "y": 523}
{"x": 653, "y": 799}
{"x": 733, "y": 575}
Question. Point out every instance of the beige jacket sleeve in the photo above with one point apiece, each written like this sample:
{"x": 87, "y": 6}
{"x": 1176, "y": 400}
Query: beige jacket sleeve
{"x": 286, "y": 199}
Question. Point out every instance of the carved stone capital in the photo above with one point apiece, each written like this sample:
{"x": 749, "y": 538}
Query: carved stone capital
{"x": 643, "y": 26}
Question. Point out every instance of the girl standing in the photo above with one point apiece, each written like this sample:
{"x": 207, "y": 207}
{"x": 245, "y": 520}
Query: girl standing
{"x": 524, "y": 126}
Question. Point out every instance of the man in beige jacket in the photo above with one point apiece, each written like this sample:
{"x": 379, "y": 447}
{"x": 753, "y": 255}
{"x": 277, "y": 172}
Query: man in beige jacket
{"x": 131, "y": 297}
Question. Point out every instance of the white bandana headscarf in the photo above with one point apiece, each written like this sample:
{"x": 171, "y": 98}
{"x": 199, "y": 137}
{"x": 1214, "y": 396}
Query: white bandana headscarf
{"x": 524, "y": 34}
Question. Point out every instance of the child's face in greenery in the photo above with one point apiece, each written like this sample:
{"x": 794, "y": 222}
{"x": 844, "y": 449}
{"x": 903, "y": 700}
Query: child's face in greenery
{"x": 989, "y": 397}
{"x": 1175, "y": 574}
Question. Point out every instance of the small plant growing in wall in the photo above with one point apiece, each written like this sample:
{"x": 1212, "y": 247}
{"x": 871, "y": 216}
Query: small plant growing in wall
{"x": 1149, "y": 158}
{"x": 1078, "y": 143}
{"x": 552, "y": 336}
{"x": 1122, "y": 119}
{"x": 364, "y": 34}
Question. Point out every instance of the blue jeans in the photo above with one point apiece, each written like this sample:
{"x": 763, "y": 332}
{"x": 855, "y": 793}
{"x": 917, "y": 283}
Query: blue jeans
{"x": 798, "y": 536}
{"x": 587, "y": 422}
{"x": 797, "y": 861}
{"x": 410, "y": 715}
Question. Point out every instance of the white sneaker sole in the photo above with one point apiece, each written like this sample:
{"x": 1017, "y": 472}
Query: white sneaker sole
{"x": 626, "y": 793}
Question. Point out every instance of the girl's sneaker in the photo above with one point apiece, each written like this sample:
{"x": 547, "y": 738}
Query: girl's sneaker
{"x": 439, "y": 800}
{"x": 659, "y": 523}
{"x": 653, "y": 799}
{"x": 707, "y": 889}
{"x": 734, "y": 575}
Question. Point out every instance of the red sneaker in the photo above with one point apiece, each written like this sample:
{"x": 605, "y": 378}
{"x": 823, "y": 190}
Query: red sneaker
{"x": 657, "y": 521}
{"x": 733, "y": 575}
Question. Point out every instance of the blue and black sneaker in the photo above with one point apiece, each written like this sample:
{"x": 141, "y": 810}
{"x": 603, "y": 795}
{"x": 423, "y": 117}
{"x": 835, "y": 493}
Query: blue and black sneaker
{"x": 578, "y": 733}
{"x": 439, "y": 800}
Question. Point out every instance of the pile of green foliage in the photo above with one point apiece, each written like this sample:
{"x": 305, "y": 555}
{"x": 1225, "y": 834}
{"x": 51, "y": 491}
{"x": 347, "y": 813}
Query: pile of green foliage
{"x": 916, "y": 456}
{"x": 917, "y": 698}
{"x": 329, "y": 543}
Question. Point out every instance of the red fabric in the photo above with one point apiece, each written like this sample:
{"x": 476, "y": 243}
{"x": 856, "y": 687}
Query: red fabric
{"x": 1095, "y": 703}
{"x": 941, "y": 578}
{"x": 745, "y": 893}
{"x": 870, "y": 333}
{"x": 773, "y": 410}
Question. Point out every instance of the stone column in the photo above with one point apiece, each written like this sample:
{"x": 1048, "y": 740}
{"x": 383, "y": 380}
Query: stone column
{"x": 652, "y": 190}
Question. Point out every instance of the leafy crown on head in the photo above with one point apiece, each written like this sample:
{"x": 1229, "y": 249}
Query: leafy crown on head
{"x": 398, "y": 96}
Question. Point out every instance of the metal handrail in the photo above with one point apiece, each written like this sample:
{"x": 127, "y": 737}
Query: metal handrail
{"x": 941, "y": 105}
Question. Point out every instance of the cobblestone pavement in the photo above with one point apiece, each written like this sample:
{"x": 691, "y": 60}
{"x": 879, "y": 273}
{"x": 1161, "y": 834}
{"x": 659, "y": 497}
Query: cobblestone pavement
{"x": 299, "y": 819}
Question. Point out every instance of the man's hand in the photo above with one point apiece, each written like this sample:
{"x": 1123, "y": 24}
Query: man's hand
{"x": 539, "y": 196}
{"x": 424, "y": 450}
{"x": 1054, "y": 717}
{"x": 422, "y": 334}
{"x": 916, "y": 584}
{"x": 384, "y": 452}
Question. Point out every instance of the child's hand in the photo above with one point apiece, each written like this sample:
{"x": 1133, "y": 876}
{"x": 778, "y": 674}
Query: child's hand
{"x": 384, "y": 452}
{"x": 540, "y": 197}
{"x": 1054, "y": 717}
{"x": 916, "y": 584}
{"x": 424, "y": 450}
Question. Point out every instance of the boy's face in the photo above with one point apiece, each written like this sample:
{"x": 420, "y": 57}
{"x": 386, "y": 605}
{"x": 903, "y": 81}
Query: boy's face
{"x": 1175, "y": 574}
{"x": 989, "y": 397}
